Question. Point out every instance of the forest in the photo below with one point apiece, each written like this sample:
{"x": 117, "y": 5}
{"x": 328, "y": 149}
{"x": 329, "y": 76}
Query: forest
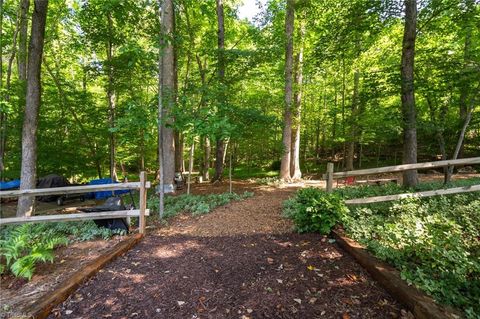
{"x": 336, "y": 69}
{"x": 288, "y": 100}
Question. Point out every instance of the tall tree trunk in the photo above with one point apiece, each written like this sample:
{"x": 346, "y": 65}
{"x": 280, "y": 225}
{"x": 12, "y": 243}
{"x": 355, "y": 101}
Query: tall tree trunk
{"x": 111, "y": 99}
{"x": 206, "y": 159}
{"x": 287, "y": 117}
{"x": 353, "y": 124}
{"x": 1, "y": 46}
{"x": 334, "y": 124}
{"x": 2, "y": 114}
{"x": 6, "y": 97}
{"x": 465, "y": 85}
{"x": 295, "y": 171}
{"x": 410, "y": 178}
{"x": 179, "y": 146}
{"x": 219, "y": 158}
{"x": 168, "y": 91}
{"x": 344, "y": 75}
{"x": 461, "y": 136}
{"x": 219, "y": 153}
{"x": 190, "y": 165}
{"x": 22, "y": 40}
{"x": 28, "y": 180}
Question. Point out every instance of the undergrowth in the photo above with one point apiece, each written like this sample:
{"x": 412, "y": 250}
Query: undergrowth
{"x": 195, "y": 204}
{"x": 23, "y": 247}
{"x": 434, "y": 242}
{"x": 272, "y": 181}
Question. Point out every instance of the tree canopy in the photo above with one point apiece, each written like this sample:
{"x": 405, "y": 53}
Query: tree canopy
{"x": 99, "y": 80}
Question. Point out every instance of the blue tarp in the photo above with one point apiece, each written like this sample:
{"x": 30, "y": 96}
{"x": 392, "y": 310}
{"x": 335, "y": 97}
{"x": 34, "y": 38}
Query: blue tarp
{"x": 105, "y": 194}
{"x": 9, "y": 185}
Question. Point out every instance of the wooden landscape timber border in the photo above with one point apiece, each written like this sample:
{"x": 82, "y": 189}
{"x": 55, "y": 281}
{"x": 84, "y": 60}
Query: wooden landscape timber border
{"x": 143, "y": 185}
{"x": 42, "y": 307}
{"x": 421, "y": 305}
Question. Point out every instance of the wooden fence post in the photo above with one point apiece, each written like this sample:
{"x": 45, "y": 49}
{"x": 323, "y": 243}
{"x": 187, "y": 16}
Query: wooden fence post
{"x": 329, "y": 177}
{"x": 143, "y": 202}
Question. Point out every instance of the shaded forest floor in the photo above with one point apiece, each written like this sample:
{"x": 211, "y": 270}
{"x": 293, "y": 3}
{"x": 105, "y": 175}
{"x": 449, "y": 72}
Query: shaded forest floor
{"x": 241, "y": 261}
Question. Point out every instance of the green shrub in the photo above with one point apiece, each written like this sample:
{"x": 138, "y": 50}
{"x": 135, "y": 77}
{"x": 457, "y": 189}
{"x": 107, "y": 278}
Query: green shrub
{"x": 195, "y": 204}
{"x": 22, "y": 247}
{"x": 313, "y": 210}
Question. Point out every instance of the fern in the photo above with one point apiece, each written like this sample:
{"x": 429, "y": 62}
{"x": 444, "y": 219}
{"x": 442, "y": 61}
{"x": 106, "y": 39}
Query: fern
{"x": 24, "y": 246}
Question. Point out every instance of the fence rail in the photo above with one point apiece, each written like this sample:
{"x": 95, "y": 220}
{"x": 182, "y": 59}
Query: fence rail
{"x": 330, "y": 175}
{"x": 387, "y": 198}
{"x": 406, "y": 167}
{"x": 143, "y": 185}
{"x": 72, "y": 189}
{"x": 73, "y": 217}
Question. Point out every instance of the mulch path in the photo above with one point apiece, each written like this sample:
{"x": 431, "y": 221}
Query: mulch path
{"x": 240, "y": 261}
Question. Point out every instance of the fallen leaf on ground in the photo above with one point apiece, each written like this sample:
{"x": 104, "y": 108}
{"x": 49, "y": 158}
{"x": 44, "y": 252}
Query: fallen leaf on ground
{"x": 299, "y": 301}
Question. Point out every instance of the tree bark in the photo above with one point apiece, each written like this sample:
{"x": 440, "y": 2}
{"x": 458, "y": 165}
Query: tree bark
{"x": 206, "y": 159}
{"x": 190, "y": 166}
{"x": 6, "y": 97}
{"x": 1, "y": 44}
{"x": 168, "y": 91}
{"x": 410, "y": 178}
{"x": 26, "y": 204}
{"x": 2, "y": 114}
{"x": 22, "y": 40}
{"x": 219, "y": 158}
{"x": 295, "y": 170}
{"x": 111, "y": 99}
{"x": 179, "y": 147}
{"x": 353, "y": 123}
{"x": 287, "y": 117}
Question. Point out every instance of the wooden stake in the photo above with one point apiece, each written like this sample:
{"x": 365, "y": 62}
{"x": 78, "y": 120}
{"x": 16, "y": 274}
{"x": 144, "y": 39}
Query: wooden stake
{"x": 329, "y": 177}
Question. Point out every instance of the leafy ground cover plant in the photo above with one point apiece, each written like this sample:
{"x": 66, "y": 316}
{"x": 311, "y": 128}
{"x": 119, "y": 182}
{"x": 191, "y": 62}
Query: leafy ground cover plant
{"x": 23, "y": 247}
{"x": 272, "y": 181}
{"x": 195, "y": 204}
{"x": 434, "y": 242}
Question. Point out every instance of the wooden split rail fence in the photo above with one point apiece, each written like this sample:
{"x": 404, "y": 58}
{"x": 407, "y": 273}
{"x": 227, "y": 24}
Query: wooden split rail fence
{"x": 331, "y": 175}
{"x": 142, "y": 186}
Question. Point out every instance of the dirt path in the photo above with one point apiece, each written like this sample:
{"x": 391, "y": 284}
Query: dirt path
{"x": 240, "y": 261}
